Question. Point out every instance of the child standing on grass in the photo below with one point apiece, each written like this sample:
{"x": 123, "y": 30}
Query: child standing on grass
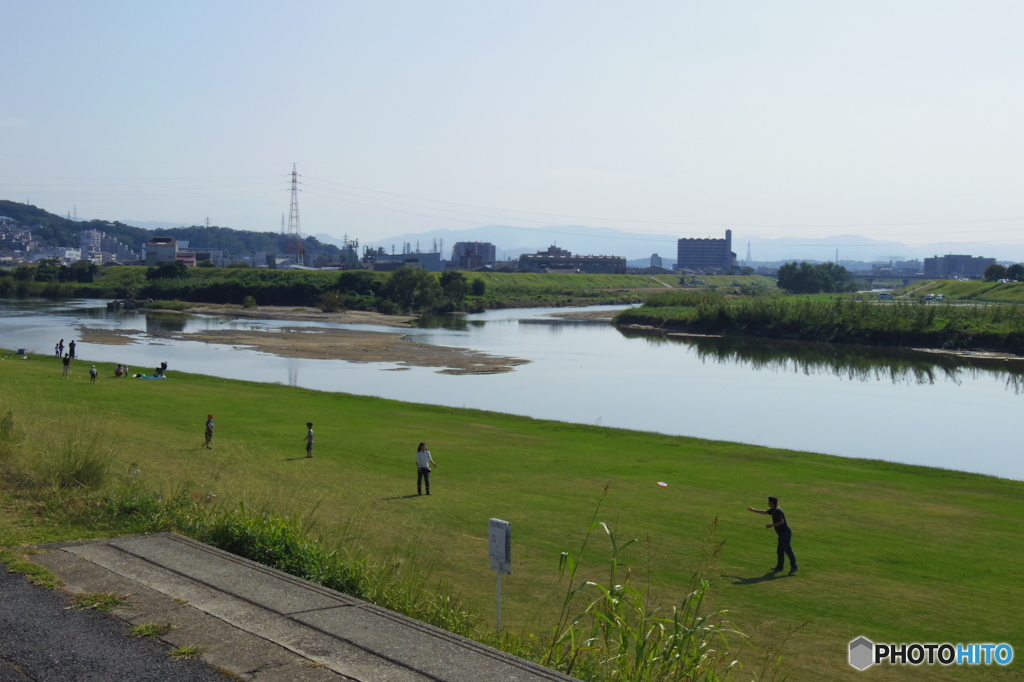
{"x": 423, "y": 463}
{"x": 92, "y": 374}
{"x": 309, "y": 439}
{"x": 67, "y": 366}
{"x": 209, "y": 431}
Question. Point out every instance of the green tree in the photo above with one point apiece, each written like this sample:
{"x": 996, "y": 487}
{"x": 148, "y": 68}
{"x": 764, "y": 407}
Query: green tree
{"x": 812, "y": 279}
{"x": 413, "y": 289}
{"x": 360, "y": 282}
{"x": 82, "y": 271}
{"x": 47, "y": 270}
{"x": 173, "y": 270}
{"x": 1015, "y": 271}
{"x": 479, "y": 286}
{"x": 454, "y": 286}
{"x": 995, "y": 272}
{"x": 746, "y": 270}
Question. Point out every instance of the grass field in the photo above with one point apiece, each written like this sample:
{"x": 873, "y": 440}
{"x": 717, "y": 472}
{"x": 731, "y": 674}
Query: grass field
{"x": 954, "y": 290}
{"x": 895, "y": 553}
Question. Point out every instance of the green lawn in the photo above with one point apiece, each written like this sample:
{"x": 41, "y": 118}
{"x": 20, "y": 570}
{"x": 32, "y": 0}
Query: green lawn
{"x": 895, "y": 553}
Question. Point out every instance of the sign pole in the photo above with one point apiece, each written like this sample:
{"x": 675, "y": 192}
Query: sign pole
{"x": 499, "y": 602}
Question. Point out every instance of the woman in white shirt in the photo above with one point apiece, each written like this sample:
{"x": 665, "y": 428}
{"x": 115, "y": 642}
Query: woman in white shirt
{"x": 423, "y": 464}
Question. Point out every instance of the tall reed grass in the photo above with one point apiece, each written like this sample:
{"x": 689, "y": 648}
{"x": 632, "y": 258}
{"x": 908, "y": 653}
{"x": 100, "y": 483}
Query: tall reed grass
{"x": 838, "y": 320}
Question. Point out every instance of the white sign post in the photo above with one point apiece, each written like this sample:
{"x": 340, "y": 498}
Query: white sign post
{"x": 500, "y": 548}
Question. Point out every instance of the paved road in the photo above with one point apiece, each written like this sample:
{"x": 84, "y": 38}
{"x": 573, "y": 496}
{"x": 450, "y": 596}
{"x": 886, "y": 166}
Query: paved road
{"x": 42, "y": 640}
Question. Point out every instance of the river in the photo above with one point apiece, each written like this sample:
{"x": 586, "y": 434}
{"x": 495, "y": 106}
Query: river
{"x": 900, "y": 406}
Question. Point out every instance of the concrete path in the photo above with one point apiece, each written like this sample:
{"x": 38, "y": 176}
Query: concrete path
{"x": 264, "y": 625}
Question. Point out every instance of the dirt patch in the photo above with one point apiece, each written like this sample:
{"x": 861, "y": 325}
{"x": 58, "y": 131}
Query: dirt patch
{"x": 109, "y": 337}
{"x": 319, "y": 343}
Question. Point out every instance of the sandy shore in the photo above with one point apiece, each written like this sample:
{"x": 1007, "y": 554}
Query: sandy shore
{"x": 333, "y": 344}
{"x": 294, "y": 313}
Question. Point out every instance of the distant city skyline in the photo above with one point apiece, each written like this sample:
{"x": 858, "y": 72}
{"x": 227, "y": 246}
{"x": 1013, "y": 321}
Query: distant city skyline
{"x": 793, "y": 119}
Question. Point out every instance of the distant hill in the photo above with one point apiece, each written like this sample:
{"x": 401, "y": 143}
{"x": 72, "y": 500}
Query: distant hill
{"x": 54, "y": 230}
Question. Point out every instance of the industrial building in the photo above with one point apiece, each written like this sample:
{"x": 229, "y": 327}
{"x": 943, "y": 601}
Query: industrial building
{"x": 703, "y": 255}
{"x": 161, "y": 250}
{"x": 560, "y": 260}
{"x": 949, "y": 266}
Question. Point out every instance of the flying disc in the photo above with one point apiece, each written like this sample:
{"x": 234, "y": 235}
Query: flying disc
{"x": 662, "y": 484}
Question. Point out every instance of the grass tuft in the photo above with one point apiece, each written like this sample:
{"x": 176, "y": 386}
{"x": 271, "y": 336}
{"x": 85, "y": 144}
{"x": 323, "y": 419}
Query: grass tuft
{"x": 151, "y": 629}
{"x": 98, "y": 601}
{"x": 185, "y": 652}
{"x": 34, "y": 573}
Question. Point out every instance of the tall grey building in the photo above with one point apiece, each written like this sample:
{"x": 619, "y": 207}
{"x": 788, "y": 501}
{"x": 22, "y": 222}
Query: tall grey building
{"x": 956, "y": 265}
{"x": 706, "y": 254}
{"x": 470, "y": 255}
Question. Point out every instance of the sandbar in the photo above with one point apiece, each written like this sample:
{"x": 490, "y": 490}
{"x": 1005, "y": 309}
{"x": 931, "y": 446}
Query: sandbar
{"x": 320, "y": 343}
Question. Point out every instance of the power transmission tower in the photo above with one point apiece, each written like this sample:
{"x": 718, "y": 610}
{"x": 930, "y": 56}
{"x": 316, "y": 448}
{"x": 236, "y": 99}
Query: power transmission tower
{"x": 294, "y": 234}
{"x": 207, "y": 221}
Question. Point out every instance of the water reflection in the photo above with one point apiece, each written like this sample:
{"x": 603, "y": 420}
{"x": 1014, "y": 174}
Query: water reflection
{"x": 157, "y": 323}
{"x": 457, "y": 323}
{"x": 862, "y": 363}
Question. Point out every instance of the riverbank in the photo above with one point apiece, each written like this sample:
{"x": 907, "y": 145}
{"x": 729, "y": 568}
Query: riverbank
{"x": 992, "y": 328}
{"x": 872, "y": 563}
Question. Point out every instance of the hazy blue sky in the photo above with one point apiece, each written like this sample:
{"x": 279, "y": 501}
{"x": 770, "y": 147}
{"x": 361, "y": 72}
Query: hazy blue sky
{"x": 779, "y": 118}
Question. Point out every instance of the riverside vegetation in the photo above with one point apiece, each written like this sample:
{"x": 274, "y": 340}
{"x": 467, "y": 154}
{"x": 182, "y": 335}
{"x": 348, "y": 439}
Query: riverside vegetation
{"x": 836, "y": 319}
{"x": 403, "y": 290}
{"x": 888, "y": 551}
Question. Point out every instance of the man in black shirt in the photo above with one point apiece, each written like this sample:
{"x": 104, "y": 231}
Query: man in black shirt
{"x": 784, "y": 532}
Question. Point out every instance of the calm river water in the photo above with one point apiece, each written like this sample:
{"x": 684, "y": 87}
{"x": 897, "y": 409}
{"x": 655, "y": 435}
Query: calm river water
{"x": 901, "y": 406}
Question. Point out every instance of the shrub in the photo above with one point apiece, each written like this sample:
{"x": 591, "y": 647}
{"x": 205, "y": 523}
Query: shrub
{"x": 332, "y": 302}
{"x": 248, "y": 302}
{"x": 479, "y": 287}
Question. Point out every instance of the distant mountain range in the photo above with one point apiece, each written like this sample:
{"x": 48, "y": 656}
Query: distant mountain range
{"x": 513, "y": 241}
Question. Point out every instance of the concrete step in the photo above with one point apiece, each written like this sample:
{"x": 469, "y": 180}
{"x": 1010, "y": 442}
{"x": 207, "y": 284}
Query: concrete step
{"x": 262, "y": 624}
